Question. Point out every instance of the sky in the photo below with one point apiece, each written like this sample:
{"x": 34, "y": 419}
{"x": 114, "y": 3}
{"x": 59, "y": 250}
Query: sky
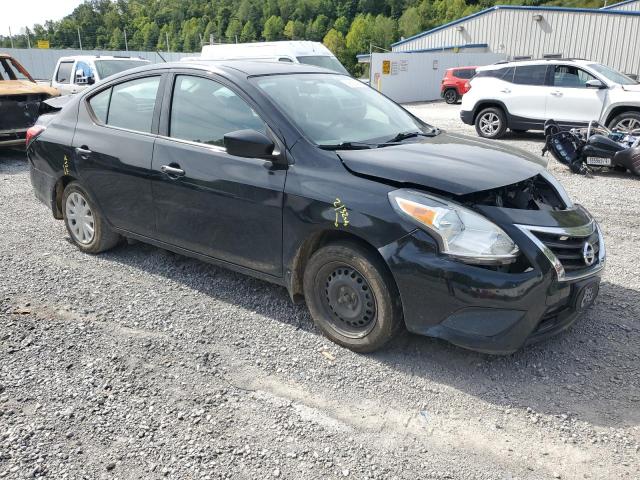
{"x": 17, "y": 14}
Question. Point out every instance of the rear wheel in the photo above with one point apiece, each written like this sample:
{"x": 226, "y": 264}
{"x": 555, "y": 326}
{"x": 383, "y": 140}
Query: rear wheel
{"x": 84, "y": 222}
{"x": 626, "y": 122}
{"x": 351, "y": 296}
{"x": 491, "y": 123}
{"x": 451, "y": 96}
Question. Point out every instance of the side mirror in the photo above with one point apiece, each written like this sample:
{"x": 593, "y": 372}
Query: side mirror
{"x": 91, "y": 80}
{"x": 80, "y": 78}
{"x": 249, "y": 144}
{"x": 595, "y": 84}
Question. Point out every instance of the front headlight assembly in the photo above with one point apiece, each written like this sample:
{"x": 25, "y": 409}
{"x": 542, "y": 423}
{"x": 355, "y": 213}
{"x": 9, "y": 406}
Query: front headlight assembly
{"x": 460, "y": 232}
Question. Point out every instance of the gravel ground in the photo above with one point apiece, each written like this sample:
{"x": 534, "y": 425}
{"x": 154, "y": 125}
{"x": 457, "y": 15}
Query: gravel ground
{"x": 139, "y": 363}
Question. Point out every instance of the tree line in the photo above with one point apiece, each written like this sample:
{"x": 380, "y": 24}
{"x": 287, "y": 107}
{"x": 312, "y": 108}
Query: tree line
{"x": 347, "y": 27}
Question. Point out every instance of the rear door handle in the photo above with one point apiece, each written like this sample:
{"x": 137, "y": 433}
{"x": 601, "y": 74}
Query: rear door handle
{"x": 505, "y": 90}
{"x": 172, "y": 171}
{"x": 556, "y": 93}
{"x": 83, "y": 152}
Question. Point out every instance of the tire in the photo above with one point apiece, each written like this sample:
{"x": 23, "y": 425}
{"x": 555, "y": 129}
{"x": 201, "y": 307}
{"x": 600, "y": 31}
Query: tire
{"x": 491, "y": 123}
{"x": 85, "y": 224}
{"x": 451, "y": 96}
{"x": 625, "y": 122}
{"x": 352, "y": 297}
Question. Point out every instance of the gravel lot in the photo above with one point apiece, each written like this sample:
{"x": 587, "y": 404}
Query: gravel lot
{"x": 139, "y": 363}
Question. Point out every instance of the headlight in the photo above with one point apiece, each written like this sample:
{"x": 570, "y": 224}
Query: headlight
{"x": 461, "y": 232}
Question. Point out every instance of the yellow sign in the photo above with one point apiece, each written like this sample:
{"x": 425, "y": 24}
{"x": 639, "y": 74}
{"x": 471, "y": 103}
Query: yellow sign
{"x": 43, "y": 43}
{"x": 386, "y": 67}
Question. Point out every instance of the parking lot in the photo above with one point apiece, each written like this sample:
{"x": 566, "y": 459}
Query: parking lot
{"x": 139, "y": 363}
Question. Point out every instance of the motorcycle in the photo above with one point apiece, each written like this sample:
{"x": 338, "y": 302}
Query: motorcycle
{"x": 596, "y": 146}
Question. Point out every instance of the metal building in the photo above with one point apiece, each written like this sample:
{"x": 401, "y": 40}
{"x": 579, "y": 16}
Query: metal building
{"x": 610, "y": 35}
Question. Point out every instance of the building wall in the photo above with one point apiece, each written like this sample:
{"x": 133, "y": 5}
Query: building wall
{"x": 41, "y": 63}
{"x": 416, "y": 77}
{"x": 611, "y": 39}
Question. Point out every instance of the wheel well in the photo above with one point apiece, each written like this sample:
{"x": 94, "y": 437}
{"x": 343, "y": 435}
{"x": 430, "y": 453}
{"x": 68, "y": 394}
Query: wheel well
{"x": 618, "y": 110}
{"x": 58, "y": 190}
{"x": 312, "y": 245}
{"x": 484, "y": 105}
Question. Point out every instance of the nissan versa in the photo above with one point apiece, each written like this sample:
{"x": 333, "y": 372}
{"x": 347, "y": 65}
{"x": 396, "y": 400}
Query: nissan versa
{"x": 312, "y": 180}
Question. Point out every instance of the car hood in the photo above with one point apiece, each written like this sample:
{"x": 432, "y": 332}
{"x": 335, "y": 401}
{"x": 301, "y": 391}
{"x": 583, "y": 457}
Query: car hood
{"x": 631, "y": 88}
{"x": 22, "y": 87}
{"x": 450, "y": 163}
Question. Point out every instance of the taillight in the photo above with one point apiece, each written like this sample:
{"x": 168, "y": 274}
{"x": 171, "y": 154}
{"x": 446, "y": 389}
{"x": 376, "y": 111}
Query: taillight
{"x": 467, "y": 86}
{"x": 33, "y": 133}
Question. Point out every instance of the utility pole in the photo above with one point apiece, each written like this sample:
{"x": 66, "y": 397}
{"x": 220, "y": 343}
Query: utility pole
{"x": 10, "y": 37}
{"x": 201, "y": 40}
{"x": 28, "y": 39}
{"x": 211, "y": 39}
{"x": 79, "y": 39}
{"x": 166, "y": 35}
{"x": 236, "y": 38}
{"x": 126, "y": 45}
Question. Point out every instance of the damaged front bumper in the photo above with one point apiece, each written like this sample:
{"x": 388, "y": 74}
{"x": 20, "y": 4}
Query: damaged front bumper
{"x": 498, "y": 310}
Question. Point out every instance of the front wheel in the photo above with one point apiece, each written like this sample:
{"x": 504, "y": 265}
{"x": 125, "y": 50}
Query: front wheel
{"x": 85, "y": 224}
{"x": 491, "y": 123}
{"x": 351, "y": 296}
{"x": 626, "y": 122}
{"x": 451, "y": 96}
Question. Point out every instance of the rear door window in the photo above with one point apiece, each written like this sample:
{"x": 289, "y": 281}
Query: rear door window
{"x": 530, "y": 75}
{"x": 64, "y": 72}
{"x": 129, "y": 105}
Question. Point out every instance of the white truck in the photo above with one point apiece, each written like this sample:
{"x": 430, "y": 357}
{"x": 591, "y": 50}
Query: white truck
{"x": 73, "y": 74}
{"x": 296, "y": 51}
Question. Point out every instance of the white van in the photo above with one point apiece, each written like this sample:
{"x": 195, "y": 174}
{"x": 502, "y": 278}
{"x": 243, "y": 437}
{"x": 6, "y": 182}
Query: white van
{"x": 73, "y": 74}
{"x": 298, "y": 51}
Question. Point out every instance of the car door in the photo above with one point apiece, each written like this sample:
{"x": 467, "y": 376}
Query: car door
{"x": 206, "y": 200}
{"x": 63, "y": 77}
{"x": 570, "y": 100}
{"x": 113, "y": 145}
{"x": 528, "y": 95}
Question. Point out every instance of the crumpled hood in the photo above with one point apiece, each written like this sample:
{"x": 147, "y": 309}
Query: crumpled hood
{"x": 23, "y": 87}
{"x": 451, "y": 163}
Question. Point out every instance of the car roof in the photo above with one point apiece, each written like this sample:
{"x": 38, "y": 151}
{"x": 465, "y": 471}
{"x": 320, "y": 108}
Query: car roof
{"x": 245, "y": 67}
{"x": 544, "y": 61}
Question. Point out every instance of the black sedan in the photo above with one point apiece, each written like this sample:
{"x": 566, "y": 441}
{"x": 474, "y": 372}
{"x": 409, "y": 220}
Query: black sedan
{"x": 312, "y": 180}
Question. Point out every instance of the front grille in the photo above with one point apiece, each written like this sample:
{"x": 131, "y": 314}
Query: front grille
{"x": 569, "y": 250}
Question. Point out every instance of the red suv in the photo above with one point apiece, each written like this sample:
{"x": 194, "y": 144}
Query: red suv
{"x": 456, "y": 83}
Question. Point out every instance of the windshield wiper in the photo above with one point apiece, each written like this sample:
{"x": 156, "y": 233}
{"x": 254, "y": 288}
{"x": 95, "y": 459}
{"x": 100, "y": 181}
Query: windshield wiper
{"x": 405, "y": 135}
{"x": 348, "y": 146}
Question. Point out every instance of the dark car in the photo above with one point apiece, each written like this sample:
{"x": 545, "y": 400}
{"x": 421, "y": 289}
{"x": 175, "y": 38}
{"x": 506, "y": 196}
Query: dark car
{"x": 455, "y": 83}
{"x": 309, "y": 179}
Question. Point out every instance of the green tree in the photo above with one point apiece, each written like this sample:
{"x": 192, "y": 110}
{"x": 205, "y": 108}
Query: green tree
{"x": 318, "y": 28}
{"x": 410, "y": 22}
{"x": 273, "y": 28}
{"x": 341, "y": 25}
{"x": 249, "y": 33}
{"x": 234, "y": 30}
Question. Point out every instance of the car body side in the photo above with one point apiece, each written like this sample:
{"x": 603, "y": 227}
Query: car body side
{"x": 317, "y": 190}
{"x": 489, "y": 92}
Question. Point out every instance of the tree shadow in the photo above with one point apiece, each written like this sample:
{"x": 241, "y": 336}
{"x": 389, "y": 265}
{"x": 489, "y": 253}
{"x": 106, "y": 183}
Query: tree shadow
{"x": 589, "y": 371}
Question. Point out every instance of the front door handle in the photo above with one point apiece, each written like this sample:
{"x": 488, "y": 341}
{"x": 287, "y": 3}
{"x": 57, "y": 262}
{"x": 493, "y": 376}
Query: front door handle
{"x": 83, "y": 152}
{"x": 172, "y": 171}
{"x": 505, "y": 90}
{"x": 556, "y": 93}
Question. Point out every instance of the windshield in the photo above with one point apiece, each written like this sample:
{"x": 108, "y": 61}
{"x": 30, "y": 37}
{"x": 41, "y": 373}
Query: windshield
{"x": 324, "y": 61}
{"x": 612, "y": 74}
{"x": 107, "y": 68}
{"x": 12, "y": 70}
{"x": 335, "y": 109}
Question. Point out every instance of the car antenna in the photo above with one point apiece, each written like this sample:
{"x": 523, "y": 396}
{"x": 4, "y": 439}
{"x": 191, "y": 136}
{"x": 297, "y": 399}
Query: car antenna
{"x": 160, "y": 55}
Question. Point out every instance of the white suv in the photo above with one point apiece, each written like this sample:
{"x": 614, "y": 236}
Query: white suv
{"x": 73, "y": 74}
{"x": 521, "y": 95}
